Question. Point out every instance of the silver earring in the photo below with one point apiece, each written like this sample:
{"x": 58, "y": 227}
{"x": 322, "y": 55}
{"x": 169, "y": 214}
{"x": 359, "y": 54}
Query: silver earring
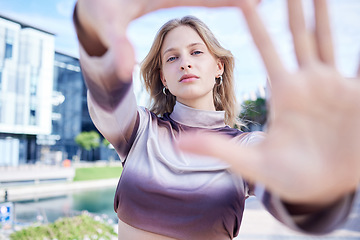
{"x": 164, "y": 90}
{"x": 220, "y": 79}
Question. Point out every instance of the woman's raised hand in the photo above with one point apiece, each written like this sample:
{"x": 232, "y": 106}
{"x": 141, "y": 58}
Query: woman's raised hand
{"x": 311, "y": 153}
{"x": 104, "y": 25}
{"x": 106, "y": 19}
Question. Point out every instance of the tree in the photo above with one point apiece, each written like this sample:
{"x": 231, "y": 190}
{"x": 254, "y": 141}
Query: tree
{"x": 106, "y": 143}
{"x": 254, "y": 113}
{"x": 88, "y": 141}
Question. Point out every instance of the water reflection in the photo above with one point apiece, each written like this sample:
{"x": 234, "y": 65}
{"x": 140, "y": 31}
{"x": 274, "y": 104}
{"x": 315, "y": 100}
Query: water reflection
{"x": 48, "y": 210}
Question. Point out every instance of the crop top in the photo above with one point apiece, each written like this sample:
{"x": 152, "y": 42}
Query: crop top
{"x": 172, "y": 193}
{"x": 175, "y": 194}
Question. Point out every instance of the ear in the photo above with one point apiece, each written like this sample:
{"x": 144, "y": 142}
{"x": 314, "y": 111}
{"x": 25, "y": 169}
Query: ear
{"x": 220, "y": 67}
{"x": 162, "y": 78}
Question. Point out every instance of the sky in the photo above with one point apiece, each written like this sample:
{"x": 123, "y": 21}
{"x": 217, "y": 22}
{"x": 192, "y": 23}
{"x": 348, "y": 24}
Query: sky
{"x": 226, "y": 23}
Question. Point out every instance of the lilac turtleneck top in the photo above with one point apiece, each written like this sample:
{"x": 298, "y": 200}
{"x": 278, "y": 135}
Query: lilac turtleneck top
{"x": 175, "y": 194}
{"x": 172, "y": 193}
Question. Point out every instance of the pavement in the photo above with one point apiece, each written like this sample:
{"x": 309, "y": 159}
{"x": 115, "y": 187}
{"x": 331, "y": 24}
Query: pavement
{"x": 35, "y": 173}
{"x": 258, "y": 224}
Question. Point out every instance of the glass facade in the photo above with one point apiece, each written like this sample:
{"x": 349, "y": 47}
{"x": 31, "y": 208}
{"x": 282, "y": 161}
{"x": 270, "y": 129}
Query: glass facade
{"x": 71, "y": 116}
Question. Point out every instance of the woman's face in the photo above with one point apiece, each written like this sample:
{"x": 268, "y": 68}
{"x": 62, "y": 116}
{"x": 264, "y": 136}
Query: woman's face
{"x": 188, "y": 68}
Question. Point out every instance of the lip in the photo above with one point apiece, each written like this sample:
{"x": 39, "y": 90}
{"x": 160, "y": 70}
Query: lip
{"x": 188, "y": 78}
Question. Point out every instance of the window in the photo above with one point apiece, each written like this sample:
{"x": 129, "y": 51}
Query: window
{"x": 9, "y": 41}
{"x": 19, "y": 112}
{"x": 41, "y": 44}
{"x": 32, "y": 113}
{"x": 33, "y": 81}
{"x": 8, "y": 50}
{"x": 0, "y": 111}
{"x": 0, "y": 80}
{"x": 32, "y": 117}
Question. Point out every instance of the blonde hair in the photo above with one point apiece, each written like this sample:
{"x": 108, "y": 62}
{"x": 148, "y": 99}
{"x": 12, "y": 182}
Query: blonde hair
{"x": 223, "y": 94}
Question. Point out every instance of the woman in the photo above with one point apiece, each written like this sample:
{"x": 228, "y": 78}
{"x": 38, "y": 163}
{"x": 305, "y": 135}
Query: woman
{"x": 165, "y": 193}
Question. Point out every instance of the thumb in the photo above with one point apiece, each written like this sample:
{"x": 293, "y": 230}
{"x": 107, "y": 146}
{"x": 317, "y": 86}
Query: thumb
{"x": 244, "y": 161}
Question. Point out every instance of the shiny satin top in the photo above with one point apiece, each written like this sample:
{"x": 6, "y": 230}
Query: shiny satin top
{"x": 175, "y": 194}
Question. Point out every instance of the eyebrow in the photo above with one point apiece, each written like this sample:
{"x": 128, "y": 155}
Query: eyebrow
{"x": 189, "y": 46}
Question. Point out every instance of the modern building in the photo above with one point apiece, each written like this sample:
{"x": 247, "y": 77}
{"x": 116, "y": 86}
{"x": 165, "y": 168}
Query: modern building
{"x": 43, "y": 103}
{"x": 26, "y": 83}
{"x": 70, "y": 111}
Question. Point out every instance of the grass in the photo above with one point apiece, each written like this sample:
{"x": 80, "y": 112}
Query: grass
{"x": 94, "y": 173}
{"x": 80, "y": 227}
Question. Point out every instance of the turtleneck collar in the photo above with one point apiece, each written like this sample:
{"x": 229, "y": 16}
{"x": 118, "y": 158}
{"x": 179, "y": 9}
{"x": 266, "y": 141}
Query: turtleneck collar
{"x": 197, "y": 118}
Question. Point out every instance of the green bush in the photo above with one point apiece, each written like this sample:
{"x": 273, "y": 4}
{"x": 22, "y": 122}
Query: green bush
{"x": 82, "y": 227}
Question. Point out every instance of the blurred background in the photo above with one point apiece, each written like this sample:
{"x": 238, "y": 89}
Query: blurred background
{"x": 47, "y": 139}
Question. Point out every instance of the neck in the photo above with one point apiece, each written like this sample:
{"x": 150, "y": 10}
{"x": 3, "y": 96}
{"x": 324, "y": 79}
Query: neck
{"x": 197, "y": 118}
{"x": 205, "y": 103}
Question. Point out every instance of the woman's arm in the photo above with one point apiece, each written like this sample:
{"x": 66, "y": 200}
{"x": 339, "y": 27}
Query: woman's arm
{"x": 111, "y": 102}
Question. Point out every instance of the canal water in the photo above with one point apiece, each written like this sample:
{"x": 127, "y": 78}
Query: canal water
{"x": 99, "y": 202}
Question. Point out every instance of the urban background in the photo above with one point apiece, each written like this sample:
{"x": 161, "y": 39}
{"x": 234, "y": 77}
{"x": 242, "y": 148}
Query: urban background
{"x": 51, "y": 154}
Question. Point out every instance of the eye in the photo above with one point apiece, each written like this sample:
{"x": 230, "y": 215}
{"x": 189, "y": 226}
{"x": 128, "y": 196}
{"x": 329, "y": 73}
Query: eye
{"x": 170, "y": 59}
{"x": 197, "y": 52}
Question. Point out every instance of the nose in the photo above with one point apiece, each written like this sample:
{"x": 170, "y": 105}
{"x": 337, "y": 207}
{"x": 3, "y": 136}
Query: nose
{"x": 185, "y": 64}
{"x": 183, "y": 67}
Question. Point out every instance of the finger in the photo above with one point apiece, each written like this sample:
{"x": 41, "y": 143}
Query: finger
{"x": 303, "y": 41}
{"x": 243, "y": 161}
{"x": 209, "y": 3}
{"x": 264, "y": 44}
{"x": 269, "y": 102}
{"x": 323, "y": 33}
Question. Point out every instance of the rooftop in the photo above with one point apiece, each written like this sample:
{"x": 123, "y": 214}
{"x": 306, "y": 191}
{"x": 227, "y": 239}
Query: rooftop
{"x": 24, "y": 25}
